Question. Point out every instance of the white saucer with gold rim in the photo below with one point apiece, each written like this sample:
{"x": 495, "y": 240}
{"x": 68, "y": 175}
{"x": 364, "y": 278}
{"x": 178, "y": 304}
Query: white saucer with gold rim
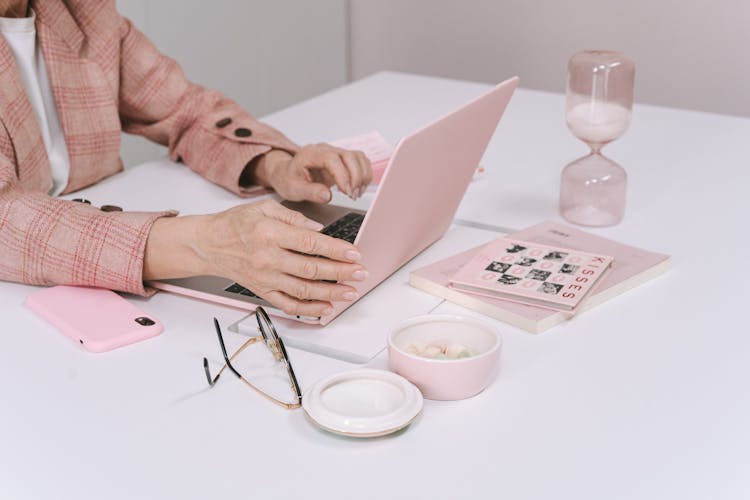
{"x": 363, "y": 403}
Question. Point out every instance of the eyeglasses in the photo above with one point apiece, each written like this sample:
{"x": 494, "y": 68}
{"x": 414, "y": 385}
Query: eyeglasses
{"x": 274, "y": 343}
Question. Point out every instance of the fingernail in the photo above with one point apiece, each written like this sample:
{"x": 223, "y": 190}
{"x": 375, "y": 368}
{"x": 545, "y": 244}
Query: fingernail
{"x": 327, "y": 311}
{"x": 315, "y": 226}
{"x": 360, "y": 275}
{"x": 353, "y": 255}
{"x": 350, "y": 296}
{"x": 324, "y": 196}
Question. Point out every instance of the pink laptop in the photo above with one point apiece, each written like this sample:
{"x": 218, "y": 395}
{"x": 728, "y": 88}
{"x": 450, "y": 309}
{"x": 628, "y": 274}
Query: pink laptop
{"x": 414, "y": 206}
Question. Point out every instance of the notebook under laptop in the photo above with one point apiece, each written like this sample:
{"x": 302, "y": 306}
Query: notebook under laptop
{"x": 416, "y": 200}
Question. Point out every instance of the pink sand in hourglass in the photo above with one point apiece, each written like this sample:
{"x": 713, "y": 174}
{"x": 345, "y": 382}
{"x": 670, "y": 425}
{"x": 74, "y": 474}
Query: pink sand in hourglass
{"x": 598, "y": 122}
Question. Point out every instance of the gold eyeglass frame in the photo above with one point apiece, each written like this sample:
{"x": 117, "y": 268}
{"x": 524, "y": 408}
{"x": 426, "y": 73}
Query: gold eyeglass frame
{"x": 273, "y": 342}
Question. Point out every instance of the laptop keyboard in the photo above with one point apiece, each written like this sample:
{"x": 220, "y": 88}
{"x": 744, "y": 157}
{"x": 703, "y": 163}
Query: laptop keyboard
{"x": 346, "y": 227}
{"x": 240, "y": 290}
{"x": 343, "y": 228}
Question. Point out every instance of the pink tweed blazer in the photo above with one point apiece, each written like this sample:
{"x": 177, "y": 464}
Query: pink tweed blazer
{"x": 106, "y": 77}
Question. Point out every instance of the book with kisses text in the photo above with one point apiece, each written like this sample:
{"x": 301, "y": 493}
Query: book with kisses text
{"x": 532, "y": 273}
{"x": 630, "y": 268}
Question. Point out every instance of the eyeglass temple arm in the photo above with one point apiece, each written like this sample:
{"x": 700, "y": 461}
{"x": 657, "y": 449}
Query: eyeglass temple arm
{"x": 261, "y": 313}
{"x": 290, "y": 371}
{"x": 212, "y": 381}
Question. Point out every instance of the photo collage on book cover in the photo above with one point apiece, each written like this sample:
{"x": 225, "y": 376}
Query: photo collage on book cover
{"x": 543, "y": 270}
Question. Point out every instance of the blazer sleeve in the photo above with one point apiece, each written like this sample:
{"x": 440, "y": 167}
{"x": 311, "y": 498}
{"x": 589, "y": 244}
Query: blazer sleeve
{"x": 207, "y": 131}
{"x": 48, "y": 241}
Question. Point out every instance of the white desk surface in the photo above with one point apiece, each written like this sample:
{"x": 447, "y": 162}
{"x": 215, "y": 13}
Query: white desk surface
{"x": 647, "y": 396}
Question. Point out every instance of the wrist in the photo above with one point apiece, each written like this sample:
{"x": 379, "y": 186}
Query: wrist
{"x": 172, "y": 248}
{"x": 263, "y": 167}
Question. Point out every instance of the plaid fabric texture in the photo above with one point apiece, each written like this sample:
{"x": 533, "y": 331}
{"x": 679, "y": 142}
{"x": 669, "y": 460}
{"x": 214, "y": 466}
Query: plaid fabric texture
{"x": 106, "y": 77}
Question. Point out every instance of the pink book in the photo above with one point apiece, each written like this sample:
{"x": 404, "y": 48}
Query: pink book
{"x": 630, "y": 268}
{"x": 528, "y": 272}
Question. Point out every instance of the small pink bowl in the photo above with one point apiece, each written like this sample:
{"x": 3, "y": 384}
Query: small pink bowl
{"x": 446, "y": 379}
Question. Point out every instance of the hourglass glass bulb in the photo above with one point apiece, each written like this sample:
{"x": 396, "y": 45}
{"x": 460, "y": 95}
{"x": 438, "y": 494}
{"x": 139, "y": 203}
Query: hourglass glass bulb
{"x": 599, "y": 103}
{"x": 599, "y": 95}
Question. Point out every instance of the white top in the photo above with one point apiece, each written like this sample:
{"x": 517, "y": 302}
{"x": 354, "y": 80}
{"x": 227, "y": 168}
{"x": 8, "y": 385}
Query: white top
{"x": 20, "y": 33}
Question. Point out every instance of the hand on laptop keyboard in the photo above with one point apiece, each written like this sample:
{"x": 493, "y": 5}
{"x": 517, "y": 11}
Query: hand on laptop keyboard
{"x": 344, "y": 228}
{"x": 309, "y": 174}
{"x": 260, "y": 246}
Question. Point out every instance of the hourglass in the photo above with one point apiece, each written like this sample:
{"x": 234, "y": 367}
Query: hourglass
{"x": 599, "y": 103}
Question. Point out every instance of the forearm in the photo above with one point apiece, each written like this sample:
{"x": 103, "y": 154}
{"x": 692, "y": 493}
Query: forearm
{"x": 172, "y": 249}
{"x": 209, "y": 132}
{"x": 49, "y": 241}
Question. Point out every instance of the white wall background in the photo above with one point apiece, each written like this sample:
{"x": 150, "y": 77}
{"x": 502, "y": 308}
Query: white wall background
{"x": 265, "y": 54}
{"x": 269, "y": 54}
{"x": 689, "y": 53}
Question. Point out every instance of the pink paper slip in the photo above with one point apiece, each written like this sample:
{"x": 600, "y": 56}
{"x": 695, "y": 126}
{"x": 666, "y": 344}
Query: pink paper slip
{"x": 532, "y": 273}
{"x": 374, "y": 146}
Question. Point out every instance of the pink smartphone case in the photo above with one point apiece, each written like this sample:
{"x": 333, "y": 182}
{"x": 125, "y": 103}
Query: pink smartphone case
{"x": 98, "y": 319}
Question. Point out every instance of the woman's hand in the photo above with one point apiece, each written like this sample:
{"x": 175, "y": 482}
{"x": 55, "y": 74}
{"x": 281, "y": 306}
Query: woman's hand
{"x": 310, "y": 173}
{"x": 273, "y": 251}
